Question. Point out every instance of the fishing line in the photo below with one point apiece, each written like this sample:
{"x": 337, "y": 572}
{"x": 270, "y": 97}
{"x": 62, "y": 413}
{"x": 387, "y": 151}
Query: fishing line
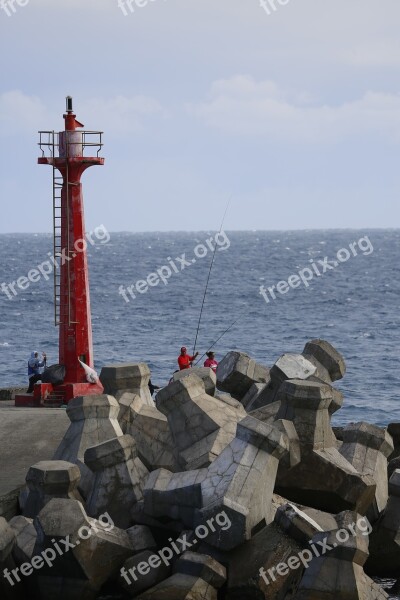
{"x": 217, "y": 340}
{"x": 208, "y": 278}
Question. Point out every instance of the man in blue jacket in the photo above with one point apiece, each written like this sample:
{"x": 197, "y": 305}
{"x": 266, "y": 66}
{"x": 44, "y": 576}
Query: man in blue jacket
{"x": 35, "y": 369}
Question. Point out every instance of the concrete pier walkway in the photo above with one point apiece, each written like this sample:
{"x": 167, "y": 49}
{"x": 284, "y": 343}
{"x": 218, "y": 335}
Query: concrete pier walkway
{"x": 27, "y": 435}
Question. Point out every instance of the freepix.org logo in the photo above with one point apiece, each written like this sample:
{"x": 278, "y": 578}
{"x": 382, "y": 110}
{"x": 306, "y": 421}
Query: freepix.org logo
{"x": 10, "y": 6}
{"x": 271, "y": 6}
{"x": 319, "y": 548}
{"x": 177, "y": 547}
{"x": 129, "y": 6}
{"x": 51, "y": 553}
{"x": 317, "y": 269}
{"x": 47, "y": 267}
{"x": 162, "y": 274}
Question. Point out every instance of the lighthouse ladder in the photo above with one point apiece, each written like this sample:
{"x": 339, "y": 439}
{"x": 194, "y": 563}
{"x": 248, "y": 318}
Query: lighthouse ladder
{"x": 57, "y": 249}
{"x": 62, "y": 305}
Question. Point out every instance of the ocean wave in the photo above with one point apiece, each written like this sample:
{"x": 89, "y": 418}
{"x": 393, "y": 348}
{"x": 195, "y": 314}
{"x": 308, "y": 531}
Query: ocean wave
{"x": 154, "y": 325}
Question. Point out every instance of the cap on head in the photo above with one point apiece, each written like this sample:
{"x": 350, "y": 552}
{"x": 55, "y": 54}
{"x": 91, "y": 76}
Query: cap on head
{"x": 183, "y": 349}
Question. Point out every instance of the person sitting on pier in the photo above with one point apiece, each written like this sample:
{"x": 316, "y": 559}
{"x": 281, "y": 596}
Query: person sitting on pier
{"x": 185, "y": 360}
{"x": 35, "y": 366}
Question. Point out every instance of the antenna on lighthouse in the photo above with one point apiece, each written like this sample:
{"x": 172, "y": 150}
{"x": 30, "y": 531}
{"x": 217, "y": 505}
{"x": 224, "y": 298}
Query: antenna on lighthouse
{"x": 69, "y": 104}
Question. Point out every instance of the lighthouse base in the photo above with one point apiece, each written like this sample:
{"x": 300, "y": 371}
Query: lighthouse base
{"x": 46, "y": 394}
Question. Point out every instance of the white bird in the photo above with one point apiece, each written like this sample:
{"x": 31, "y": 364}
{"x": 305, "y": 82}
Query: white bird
{"x": 91, "y": 375}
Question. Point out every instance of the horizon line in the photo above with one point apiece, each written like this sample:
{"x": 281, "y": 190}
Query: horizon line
{"x": 213, "y": 229}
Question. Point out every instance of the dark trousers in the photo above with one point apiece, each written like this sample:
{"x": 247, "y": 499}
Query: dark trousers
{"x": 32, "y": 380}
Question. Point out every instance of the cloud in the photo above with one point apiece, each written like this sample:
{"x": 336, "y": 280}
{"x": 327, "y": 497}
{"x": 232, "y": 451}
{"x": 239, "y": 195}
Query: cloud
{"x": 120, "y": 115}
{"x": 240, "y": 105}
{"x": 19, "y": 113}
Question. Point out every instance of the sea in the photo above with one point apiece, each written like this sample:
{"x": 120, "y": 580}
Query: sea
{"x": 152, "y": 293}
{"x": 355, "y": 305}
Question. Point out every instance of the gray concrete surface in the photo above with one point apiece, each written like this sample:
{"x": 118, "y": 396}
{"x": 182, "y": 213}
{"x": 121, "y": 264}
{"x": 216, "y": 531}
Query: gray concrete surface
{"x": 27, "y": 436}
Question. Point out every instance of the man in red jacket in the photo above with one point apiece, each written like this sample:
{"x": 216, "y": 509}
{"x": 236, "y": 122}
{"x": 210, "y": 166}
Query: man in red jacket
{"x": 185, "y": 360}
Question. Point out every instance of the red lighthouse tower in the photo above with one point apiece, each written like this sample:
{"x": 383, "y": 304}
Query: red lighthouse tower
{"x": 70, "y": 153}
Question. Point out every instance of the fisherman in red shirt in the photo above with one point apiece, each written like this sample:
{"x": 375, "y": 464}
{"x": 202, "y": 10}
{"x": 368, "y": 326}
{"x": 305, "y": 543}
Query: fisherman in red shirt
{"x": 185, "y": 360}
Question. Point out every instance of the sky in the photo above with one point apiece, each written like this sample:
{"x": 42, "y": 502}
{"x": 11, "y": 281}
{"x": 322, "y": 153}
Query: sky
{"x": 290, "y": 111}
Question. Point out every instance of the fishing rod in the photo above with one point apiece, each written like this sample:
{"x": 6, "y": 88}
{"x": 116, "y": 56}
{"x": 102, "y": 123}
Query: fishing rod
{"x": 217, "y": 340}
{"x": 208, "y": 279}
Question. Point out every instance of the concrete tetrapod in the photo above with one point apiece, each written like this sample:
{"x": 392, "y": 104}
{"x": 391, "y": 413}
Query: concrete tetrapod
{"x": 151, "y": 432}
{"x": 319, "y": 362}
{"x": 119, "y": 479}
{"x": 93, "y": 421}
{"x": 252, "y": 566}
{"x": 340, "y": 487}
{"x": 288, "y": 366}
{"x": 393, "y": 466}
{"x": 329, "y": 363}
{"x": 50, "y": 479}
{"x": 393, "y": 430}
{"x": 337, "y": 571}
{"x": 26, "y": 535}
{"x": 127, "y": 377}
{"x": 206, "y": 374}
{"x": 141, "y": 572}
{"x": 237, "y": 372}
{"x": 267, "y": 566}
{"x": 253, "y": 399}
{"x": 11, "y": 587}
{"x": 367, "y": 447}
{"x": 201, "y": 425}
{"x": 141, "y": 538}
{"x": 196, "y": 577}
{"x": 83, "y": 553}
{"x": 385, "y": 538}
{"x": 238, "y": 484}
